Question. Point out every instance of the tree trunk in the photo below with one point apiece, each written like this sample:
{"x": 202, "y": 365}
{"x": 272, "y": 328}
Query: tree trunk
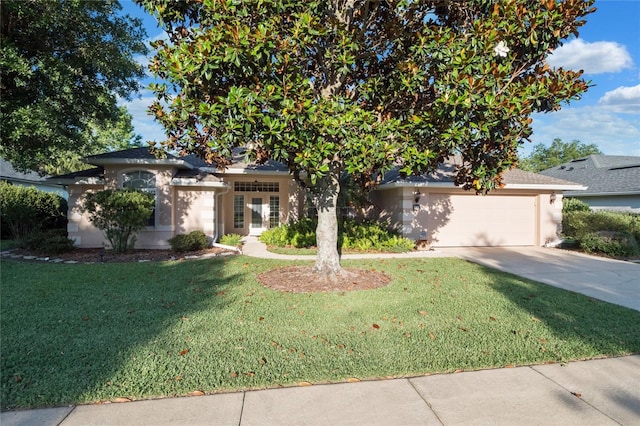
{"x": 325, "y": 198}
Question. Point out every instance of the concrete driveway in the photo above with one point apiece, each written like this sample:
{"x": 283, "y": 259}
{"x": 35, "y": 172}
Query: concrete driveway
{"x": 605, "y": 279}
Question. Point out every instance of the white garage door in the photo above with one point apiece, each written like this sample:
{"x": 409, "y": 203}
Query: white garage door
{"x": 475, "y": 220}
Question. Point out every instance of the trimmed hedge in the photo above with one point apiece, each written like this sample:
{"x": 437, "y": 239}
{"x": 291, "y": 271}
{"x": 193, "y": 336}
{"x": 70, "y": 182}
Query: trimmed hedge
{"x": 354, "y": 235}
{"x": 574, "y": 205}
{"x": 25, "y": 210}
{"x": 193, "y": 241}
{"x": 612, "y": 233}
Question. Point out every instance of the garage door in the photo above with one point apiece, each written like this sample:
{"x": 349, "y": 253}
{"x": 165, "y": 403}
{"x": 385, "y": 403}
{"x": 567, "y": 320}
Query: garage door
{"x": 475, "y": 220}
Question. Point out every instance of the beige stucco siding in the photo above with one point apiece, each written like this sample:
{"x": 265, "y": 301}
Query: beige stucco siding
{"x": 450, "y": 217}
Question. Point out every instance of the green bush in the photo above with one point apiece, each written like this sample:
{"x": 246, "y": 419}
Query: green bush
{"x": 577, "y": 224}
{"x": 193, "y": 241}
{"x": 611, "y": 243}
{"x": 354, "y": 235}
{"x": 574, "y": 205}
{"x": 119, "y": 214}
{"x": 26, "y": 210}
{"x": 52, "y": 241}
{"x": 234, "y": 240}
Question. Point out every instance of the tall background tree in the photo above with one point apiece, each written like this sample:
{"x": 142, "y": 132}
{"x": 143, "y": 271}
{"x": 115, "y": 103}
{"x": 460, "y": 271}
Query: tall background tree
{"x": 361, "y": 86}
{"x": 543, "y": 157}
{"x": 63, "y": 65}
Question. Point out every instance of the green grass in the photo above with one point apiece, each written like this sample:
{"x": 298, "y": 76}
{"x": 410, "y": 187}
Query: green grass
{"x": 74, "y": 334}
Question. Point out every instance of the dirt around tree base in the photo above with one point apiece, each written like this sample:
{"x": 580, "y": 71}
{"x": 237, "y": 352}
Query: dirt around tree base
{"x": 303, "y": 279}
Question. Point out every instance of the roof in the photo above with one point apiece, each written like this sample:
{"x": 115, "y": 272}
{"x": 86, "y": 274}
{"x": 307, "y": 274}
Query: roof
{"x": 601, "y": 174}
{"x": 7, "y": 172}
{"x": 141, "y": 155}
{"x": 443, "y": 177}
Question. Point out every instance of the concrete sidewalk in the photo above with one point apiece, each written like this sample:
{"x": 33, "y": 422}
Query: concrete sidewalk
{"x": 598, "y": 392}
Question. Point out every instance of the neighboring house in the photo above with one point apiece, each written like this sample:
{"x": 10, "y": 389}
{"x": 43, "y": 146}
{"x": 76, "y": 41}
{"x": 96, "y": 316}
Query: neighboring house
{"x": 612, "y": 181}
{"x": 11, "y": 175}
{"x": 247, "y": 199}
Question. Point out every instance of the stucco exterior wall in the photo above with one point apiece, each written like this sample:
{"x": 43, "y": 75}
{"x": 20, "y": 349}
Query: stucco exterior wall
{"x": 454, "y": 217}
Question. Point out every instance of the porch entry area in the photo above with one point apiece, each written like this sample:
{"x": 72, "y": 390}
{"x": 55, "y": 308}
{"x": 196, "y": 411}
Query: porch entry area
{"x": 256, "y": 207}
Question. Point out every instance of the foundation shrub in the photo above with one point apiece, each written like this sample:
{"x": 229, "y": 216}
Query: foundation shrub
{"x": 193, "y": 241}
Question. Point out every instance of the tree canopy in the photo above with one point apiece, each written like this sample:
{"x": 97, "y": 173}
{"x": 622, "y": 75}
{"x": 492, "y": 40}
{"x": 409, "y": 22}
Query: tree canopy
{"x": 544, "y": 157}
{"x": 63, "y": 65}
{"x": 361, "y": 86}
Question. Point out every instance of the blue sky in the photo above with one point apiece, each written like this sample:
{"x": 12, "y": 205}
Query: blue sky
{"x": 608, "y": 50}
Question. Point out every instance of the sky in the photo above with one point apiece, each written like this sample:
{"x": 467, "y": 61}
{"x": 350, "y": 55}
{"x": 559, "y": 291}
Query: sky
{"x": 608, "y": 114}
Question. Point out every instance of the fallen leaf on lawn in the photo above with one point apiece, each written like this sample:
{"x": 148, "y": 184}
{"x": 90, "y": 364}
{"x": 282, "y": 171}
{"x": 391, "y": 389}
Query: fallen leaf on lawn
{"x": 433, "y": 337}
{"x": 17, "y": 378}
{"x": 423, "y": 313}
{"x": 535, "y": 319}
{"x": 234, "y": 374}
{"x": 262, "y": 360}
{"x": 250, "y": 373}
{"x": 376, "y": 326}
{"x": 121, "y": 399}
{"x": 353, "y": 380}
{"x": 184, "y": 352}
{"x": 493, "y": 319}
{"x": 462, "y": 328}
{"x": 407, "y": 334}
{"x": 458, "y": 371}
{"x": 509, "y": 366}
{"x": 576, "y": 394}
{"x": 85, "y": 318}
{"x": 196, "y": 393}
{"x": 183, "y": 318}
{"x": 178, "y": 378}
{"x": 543, "y": 340}
{"x": 305, "y": 384}
{"x": 261, "y": 319}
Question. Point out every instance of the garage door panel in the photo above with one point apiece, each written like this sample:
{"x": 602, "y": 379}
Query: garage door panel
{"x": 471, "y": 220}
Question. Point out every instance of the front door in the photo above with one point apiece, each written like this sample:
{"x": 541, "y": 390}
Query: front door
{"x": 256, "y": 214}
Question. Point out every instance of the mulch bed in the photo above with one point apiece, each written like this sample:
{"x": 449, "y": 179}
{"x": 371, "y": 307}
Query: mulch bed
{"x": 303, "y": 279}
{"x": 93, "y": 255}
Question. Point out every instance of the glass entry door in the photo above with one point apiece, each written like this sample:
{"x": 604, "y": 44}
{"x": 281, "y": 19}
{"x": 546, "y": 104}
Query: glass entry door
{"x": 256, "y": 213}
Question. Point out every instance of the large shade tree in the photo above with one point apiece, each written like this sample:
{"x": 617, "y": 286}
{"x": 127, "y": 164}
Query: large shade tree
{"x": 63, "y": 64}
{"x": 360, "y": 86}
{"x": 543, "y": 157}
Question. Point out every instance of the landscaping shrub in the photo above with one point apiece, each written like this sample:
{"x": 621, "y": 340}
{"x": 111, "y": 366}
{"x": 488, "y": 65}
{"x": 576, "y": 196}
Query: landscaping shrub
{"x": 612, "y": 233}
{"x": 195, "y": 240}
{"x": 119, "y": 214}
{"x": 52, "y": 241}
{"x": 233, "y": 240}
{"x": 577, "y": 224}
{"x": 574, "y": 205}
{"x": 611, "y": 243}
{"x": 355, "y": 235}
{"x": 26, "y": 210}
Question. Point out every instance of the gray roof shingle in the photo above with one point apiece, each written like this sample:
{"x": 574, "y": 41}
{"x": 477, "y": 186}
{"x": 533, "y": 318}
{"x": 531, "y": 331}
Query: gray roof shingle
{"x": 601, "y": 174}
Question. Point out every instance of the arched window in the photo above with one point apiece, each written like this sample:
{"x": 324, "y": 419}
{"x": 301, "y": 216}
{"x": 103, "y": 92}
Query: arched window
{"x": 142, "y": 181}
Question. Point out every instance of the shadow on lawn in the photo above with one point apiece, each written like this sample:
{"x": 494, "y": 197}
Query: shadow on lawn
{"x": 64, "y": 342}
{"x": 600, "y": 327}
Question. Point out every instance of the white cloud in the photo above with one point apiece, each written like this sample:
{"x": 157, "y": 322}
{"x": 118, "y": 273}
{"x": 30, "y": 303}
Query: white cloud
{"x": 594, "y": 58}
{"x": 623, "y": 99}
{"x": 143, "y": 123}
{"x": 614, "y": 134}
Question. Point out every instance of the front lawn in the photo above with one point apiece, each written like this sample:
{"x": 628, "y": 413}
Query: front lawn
{"x": 74, "y": 334}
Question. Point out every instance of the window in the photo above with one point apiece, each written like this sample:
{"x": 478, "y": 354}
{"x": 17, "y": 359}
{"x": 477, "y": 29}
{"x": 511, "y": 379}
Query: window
{"x": 256, "y": 186}
{"x": 142, "y": 181}
{"x": 274, "y": 211}
{"x": 238, "y": 211}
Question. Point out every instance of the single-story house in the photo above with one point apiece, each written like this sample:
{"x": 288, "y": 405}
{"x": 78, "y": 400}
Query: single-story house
{"x": 9, "y": 174}
{"x": 247, "y": 199}
{"x": 612, "y": 181}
